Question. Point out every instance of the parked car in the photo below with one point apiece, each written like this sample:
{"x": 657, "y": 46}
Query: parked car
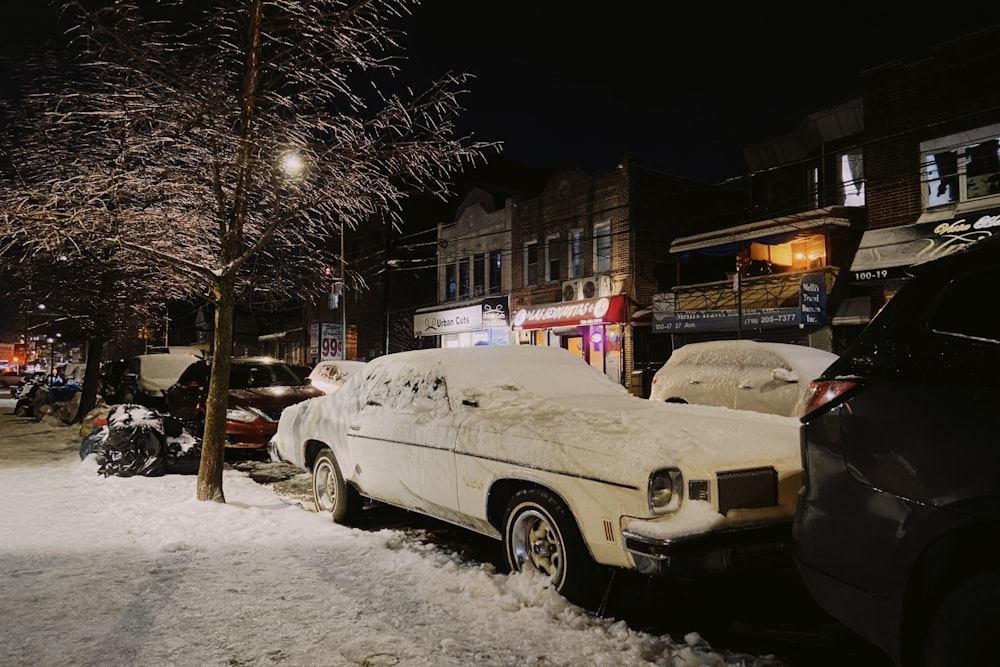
{"x": 535, "y": 448}
{"x": 11, "y": 378}
{"x": 329, "y": 376}
{"x": 740, "y": 374}
{"x": 259, "y": 389}
{"x": 148, "y": 376}
{"x": 896, "y": 533}
{"x": 110, "y": 379}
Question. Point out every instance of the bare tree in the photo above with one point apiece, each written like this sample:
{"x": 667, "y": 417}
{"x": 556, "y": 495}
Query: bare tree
{"x": 246, "y": 134}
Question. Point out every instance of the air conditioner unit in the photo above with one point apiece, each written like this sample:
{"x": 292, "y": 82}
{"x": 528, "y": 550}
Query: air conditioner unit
{"x": 571, "y": 290}
{"x": 599, "y": 285}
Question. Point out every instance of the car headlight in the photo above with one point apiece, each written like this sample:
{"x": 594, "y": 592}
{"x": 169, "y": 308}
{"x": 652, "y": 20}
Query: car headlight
{"x": 246, "y": 415}
{"x": 666, "y": 490}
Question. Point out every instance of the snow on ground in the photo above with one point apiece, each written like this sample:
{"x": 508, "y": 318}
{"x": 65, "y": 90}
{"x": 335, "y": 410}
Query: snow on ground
{"x": 135, "y": 571}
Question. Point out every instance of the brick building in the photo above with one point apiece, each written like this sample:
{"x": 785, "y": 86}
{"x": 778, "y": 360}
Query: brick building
{"x": 932, "y": 160}
{"x": 590, "y": 251}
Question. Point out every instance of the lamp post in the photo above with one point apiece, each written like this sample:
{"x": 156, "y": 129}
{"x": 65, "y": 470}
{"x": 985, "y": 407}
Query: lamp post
{"x": 52, "y": 354}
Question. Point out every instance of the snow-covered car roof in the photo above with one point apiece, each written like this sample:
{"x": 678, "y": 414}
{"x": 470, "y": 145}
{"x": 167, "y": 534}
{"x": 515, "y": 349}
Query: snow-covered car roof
{"x": 804, "y": 360}
{"x": 157, "y": 372}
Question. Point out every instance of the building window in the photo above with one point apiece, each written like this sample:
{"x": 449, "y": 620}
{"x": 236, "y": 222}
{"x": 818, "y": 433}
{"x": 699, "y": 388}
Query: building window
{"x": 451, "y": 282}
{"x": 852, "y": 179}
{"x": 531, "y": 263}
{"x": 602, "y": 247}
{"x": 479, "y": 275}
{"x": 575, "y": 246}
{"x": 463, "y": 278}
{"x": 552, "y": 258}
{"x": 496, "y": 280}
{"x": 962, "y": 167}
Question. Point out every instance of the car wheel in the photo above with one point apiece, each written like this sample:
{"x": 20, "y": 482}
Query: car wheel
{"x": 330, "y": 492}
{"x": 540, "y": 534}
{"x": 23, "y": 408}
{"x": 965, "y": 626}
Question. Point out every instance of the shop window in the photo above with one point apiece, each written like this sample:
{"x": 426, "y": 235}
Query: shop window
{"x": 552, "y": 258}
{"x": 852, "y": 179}
{"x": 575, "y": 245}
{"x": 602, "y": 247}
{"x": 479, "y": 275}
{"x": 531, "y": 263}
{"x": 961, "y": 167}
{"x": 496, "y": 273}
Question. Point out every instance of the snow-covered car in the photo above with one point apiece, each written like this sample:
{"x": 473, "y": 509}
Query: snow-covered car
{"x": 147, "y": 378}
{"x": 741, "y": 374}
{"x": 329, "y": 376}
{"x": 259, "y": 389}
{"x": 532, "y": 446}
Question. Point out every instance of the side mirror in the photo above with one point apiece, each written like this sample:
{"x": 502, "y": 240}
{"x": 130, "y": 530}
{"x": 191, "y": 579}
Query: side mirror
{"x": 784, "y": 375}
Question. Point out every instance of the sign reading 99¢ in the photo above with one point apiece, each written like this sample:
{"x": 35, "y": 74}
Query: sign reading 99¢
{"x": 331, "y": 342}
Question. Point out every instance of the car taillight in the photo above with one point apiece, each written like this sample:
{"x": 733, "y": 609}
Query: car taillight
{"x": 824, "y": 392}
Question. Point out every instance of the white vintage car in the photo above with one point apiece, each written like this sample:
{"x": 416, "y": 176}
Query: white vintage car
{"x": 532, "y": 446}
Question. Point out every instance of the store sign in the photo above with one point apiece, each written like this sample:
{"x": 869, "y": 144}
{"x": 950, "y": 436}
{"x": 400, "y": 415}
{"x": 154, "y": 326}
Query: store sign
{"x": 490, "y": 313}
{"x": 604, "y": 310}
{"x": 810, "y": 311}
{"x": 331, "y": 342}
{"x": 887, "y": 253}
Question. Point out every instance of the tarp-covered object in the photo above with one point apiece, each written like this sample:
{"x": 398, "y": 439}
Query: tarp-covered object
{"x": 138, "y": 441}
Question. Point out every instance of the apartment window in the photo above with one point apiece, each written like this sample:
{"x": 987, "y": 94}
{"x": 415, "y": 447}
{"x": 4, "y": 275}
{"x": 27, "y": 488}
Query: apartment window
{"x": 531, "y": 263}
{"x": 479, "y": 275}
{"x": 496, "y": 274}
{"x": 463, "y": 279}
{"x": 602, "y": 247}
{"x": 852, "y": 179}
{"x": 961, "y": 167}
{"x": 451, "y": 282}
{"x": 575, "y": 246}
{"x": 552, "y": 258}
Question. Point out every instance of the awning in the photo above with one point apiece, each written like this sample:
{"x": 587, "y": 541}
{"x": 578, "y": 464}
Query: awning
{"x": 789, "y": 224}
{"x": 886, "y": 253}
{"x": 604, "y": 310}
{"x": 853, "y": 310}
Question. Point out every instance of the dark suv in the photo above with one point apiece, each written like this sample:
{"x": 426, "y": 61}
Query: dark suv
{"x": 897, "y": 533}
{"x": 259, "y": 389}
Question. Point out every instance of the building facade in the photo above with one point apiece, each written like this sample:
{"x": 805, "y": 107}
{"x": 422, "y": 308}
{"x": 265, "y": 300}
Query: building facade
{"x": 932, "y": 160}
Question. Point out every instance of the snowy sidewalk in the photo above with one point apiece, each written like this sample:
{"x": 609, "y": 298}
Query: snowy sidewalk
{"x": 135, "y": 571}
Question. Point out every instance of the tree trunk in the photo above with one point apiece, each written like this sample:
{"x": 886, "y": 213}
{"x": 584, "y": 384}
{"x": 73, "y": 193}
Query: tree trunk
{"x": 91, "y": 378}
{"x": 213, "y": 446}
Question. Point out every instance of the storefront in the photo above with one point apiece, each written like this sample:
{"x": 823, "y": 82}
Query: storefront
{"x": 810, "y": 310}
{"x": 593, "y": 329}
{"x": 884, "y": 255}
{"x": 485, "y": 322}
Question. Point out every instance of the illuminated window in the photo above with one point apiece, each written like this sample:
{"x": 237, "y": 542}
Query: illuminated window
{"x": 961, "y": 167}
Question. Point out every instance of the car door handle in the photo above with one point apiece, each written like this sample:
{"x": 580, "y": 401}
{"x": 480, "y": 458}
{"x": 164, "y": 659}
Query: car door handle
{"x": 353, "y": 427}
{"x": 693, "y": 382}
{"x": 746, "y": 386}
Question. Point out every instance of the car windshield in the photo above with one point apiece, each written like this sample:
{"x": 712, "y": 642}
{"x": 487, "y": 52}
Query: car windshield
{"x": 249, "y": 376}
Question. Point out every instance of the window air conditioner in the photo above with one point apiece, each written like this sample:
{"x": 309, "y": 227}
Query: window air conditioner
{"x": 571, "y": 290}
{"x": 599, "y": 285}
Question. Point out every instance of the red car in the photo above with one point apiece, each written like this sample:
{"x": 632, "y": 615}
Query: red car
{"x": 259, "y": 389}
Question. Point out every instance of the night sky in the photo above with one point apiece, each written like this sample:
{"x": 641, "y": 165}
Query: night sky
{"x": 681, "y": 86}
